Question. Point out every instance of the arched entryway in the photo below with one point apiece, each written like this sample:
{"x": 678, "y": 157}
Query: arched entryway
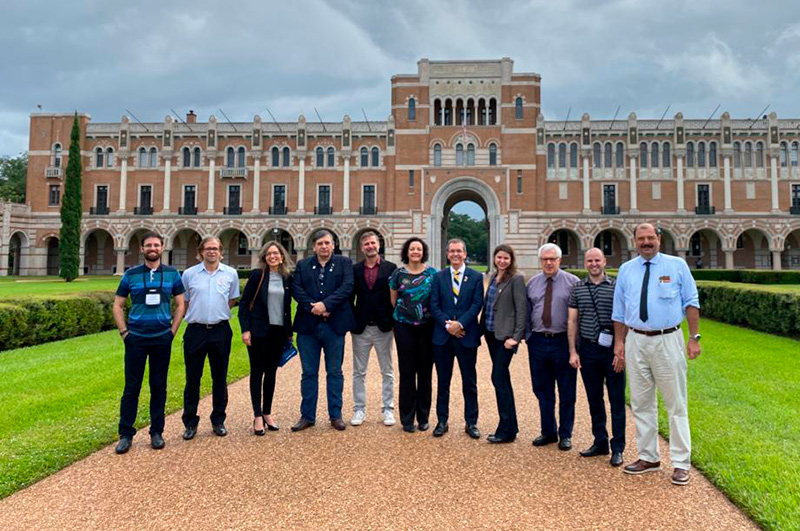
{"x": 17, "y": 253}
{"x": 184, "y": 249}
{"x": 310, "y": 244}
{"x": 790, "y": 257}
{"x": 455, "y": 191}
{"x": 667, "y": 242}
{"x": 284, "y": 238}
{"x": 614, "y": 246}
{"x": 134, "y": 256}
{"x": 752, "y": 250}
{"x": 235, "y": 248}
{"x": 570, "y": 244}
{"x": 98, "y": 253}
{"x": 53, "y": 259}
{"x": 705, "y": 250}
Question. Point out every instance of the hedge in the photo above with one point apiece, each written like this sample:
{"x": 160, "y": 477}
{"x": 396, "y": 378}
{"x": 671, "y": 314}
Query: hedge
{"x": 32, "y": 322}
{"x": 748, "y": 276}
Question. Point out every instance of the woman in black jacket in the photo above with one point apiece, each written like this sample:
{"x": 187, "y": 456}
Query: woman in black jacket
{"x": 265, "y": 315}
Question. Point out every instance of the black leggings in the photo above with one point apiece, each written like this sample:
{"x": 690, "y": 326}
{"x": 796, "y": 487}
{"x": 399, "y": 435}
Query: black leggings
{"x": 265, "y": 353}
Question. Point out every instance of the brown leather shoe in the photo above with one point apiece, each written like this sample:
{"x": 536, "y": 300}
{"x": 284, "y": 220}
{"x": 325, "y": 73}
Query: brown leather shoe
{"x": 302, "y": 424}
{"x": 338, "y": 424}
{"x": 641, "y": 467}
{"x": 680, "y": 476}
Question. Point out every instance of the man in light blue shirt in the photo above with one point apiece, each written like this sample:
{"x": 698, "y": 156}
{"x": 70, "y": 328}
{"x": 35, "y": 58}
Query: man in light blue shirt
{"x": 654, "y": 292}
{"x": 211, "y": 289}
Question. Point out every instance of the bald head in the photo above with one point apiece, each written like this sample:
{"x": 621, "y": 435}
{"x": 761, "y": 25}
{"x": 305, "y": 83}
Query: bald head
{"x": 595, "y": 263}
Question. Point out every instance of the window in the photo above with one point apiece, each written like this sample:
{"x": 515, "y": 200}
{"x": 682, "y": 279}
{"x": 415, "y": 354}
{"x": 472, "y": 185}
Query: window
{"x": 448, "y": 112}
{"x": 54, "y": 197}
{"x": 331, "y": 157}
{"x": 519, "y": 182}
{"x": 666, "y": 156}
{"x": 287, "y": 155}
{"x": 368, "y": 199}
{"x": 459, "y": 155}
{"x": 748, "y": 155}
{"x": 153, "y": 158}
{"x": 187, "y": 158}
{"x": 551, "y": 155}
{"x": 234, "y": 197}
{"x": 794, "y": 154}
{"x": 320, "y": 157}
{"x": 701, "y": 154}
{"x": 703, "y": 195}
{"x": 471, "y": 155}
{"x": 492, "y": 112}
{"x": 364, "y": 157}
{"x": 142, "y": 158}
{"x": 492, "y": 154}
{"x": 324, "y": 198}
{"x": 796, "y": 195}
{"x": 437, "y": 155}
{"x": 712, "y": 154}
{"x": 562, "y": 155}
{"x": 146, "y": 197}
{"x": 643, "y": 154}
{"x": 279, "y": 196}
{"x": 437, "y": 112}
{"x": 411, "y": 179}
{"x": 241, "y": 247}
{"x": 518, "y": 108}
{"x": 99, "y": 158}
{"x": 573, "y": 155}
{"x": 230, "y": 158}
{"x": 597, "y": 161}
{"x": 607, "y": 155}
{"x": 620, "y": 155}
{"x": 609, "y": 198}
{"x": 690, "y": 154}
{"x": 696, "y": 244}
{"x": 276, "y": 157}
{"x": 737, "y": 155}
{"x": 102, "y": 198}
{"x": 784, "y": 154}
{"x": 760, "y": 155}
{"x": 654, "y": 155}
{"x": 189, "y": 198}
{"x": 412, "y": 109}
{"x": 196, "y": 158}
{"x": 57, "y": 155}
{"x": 241, "y": 159}
{"x": 110, "y": 157}
{"x": 376, "y": 157}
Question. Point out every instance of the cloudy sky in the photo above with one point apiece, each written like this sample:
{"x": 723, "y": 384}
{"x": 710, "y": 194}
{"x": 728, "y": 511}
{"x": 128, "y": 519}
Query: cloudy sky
{"x": 244, "y": 56}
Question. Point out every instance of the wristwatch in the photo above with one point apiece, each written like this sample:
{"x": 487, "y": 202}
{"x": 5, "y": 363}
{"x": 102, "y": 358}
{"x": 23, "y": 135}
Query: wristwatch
{"x": 696, "y": 337}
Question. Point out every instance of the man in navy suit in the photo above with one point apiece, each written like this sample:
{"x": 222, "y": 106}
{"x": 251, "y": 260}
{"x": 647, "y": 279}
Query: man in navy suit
{"x": 321, "y": 286}
{"x": 456, "y": 300}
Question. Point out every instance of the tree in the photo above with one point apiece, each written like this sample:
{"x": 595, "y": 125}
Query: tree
{"x": 13, "y": 175}
{"x": 474, "y": 233}
{"x": 71, "y": 209}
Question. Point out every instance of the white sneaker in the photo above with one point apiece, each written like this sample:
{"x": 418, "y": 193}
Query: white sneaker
{"x": 358, "y": 418}
{"x": 388, "y": 418}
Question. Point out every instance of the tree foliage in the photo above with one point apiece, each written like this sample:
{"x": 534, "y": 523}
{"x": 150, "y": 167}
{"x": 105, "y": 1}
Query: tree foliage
{"x": 473, "y": 232}
{"x": 71, "y": 209}
{"x": 13, "y": 176}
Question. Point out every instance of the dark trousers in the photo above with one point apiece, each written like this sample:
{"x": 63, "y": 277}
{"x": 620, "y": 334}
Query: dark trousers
{"x": 264, "y": 354}
{"x": 311, "y": 347}
{"x": 507, "y": 428}
{"x": 443, "y": 356}
{"x": 549, "y": 363}
{"x": 415, "y": 361}
{"x": 596, "y": 368}
{"x": 199, "y": 342}
{"x": 137, "y": 350}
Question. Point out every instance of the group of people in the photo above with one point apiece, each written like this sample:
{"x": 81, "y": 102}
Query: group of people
{"x": 598, "y": 325}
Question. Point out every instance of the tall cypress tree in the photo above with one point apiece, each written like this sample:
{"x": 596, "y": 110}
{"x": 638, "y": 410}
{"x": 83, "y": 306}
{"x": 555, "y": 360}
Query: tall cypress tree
{"x": 69, "y": 242}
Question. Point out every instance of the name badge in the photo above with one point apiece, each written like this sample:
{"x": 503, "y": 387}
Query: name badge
{"x": 605, "y": 339}
{"x": 153, "y": 297}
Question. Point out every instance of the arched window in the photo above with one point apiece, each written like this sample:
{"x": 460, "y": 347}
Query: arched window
{"x": 437, "y": 155}
{"x": 196, "y": 157}
{"x": 287, "y": 157}
{"x": 794, "y": 153}
{"x": 551, "y": 155}
{"x": 654, "y": 155}
{"x": 701, "y": 154}
{"x": 376, "y": 157}
{"x": 481, "y": 111}
{"x": 607, "y": 158}
{"x": 492, "y": 154}
{"x": 364, "y": 157}
{"x": 331, "y": 157}
{"x": 320, "y": 157}
{"x": 643, "y": 154}
{"x": 459, "y": 155}
{"x": 437, "y": 111}
{"x": 690, "y": 154}
{"x": 99, "y": 158}
{"x": 712, "y": 154}
{"x": 448, "y": 112}
{"x": 562, "y": 155}
{"x": 142, "y": 157}
{"x": 748, "y": 155}
{"x": 276, "y": 157}
{"x": 492, "y": 111}
{"x": 518, "y": 108}
{"x": 759, "y": 155}
{"x": 573, "y": 155}
{"x": 412, "y": 109}
{"x": 110, "y": 157}
{"x": 153, "y": 157}
{"x": 620, "y": 155}
{"x": 57, "y": 155}
{"x": 187, "y": 157}
{"x": 784, "y": 154}
{"x": 737, "y": 155}
{"x": 597, "y": 161}
{"x": 230, "y": 157}
{"x": 666, "y": 156}
{"x": 241, "y": 160}
{"x": 471, "y": 155}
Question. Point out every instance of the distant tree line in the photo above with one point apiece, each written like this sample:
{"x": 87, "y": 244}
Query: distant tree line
{"x": 474, "y": 233}
{"x": 13, "y": 174}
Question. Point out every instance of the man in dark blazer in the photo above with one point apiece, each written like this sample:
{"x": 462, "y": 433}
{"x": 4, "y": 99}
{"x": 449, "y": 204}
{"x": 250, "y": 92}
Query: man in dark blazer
{"x": 322, "y": 285}
{"x": 456, "y": 300}
{"x": 373, "y": 310}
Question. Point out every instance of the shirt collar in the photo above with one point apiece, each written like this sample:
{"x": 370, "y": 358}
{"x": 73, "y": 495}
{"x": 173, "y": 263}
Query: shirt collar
{"x": 656, "y": 259}
{"x": 212, "y": 273}
{"x": 377, "y": 264}
{"x": 460, "y": 269}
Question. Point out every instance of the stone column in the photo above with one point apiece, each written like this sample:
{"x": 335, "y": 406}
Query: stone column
{"x": 301, "y": 187}
{"x": 726, "y": 160}
{"x": 123, "y": 185}
{"x": 167, "y": 181}
{"x": 254, "y": 257}
{"x": 82, "y": 260}
{"x": 211, "y": 181}
{"x": 256, "y": 184}
{"x": 776, "y": 260}
{"x": 729, "y": 258}
{"x": 681, "y": 253}
{"x": 165, "y": 256}
{"x": 346, "y": 191}
{"x": 773, "y": 170}
{"x": 301, "y": 253}
{"x": 681, "y": 204}
{"x": 120, "y": 261}
{"x": 587, "y": 199}
{"x": 634, "y": 206}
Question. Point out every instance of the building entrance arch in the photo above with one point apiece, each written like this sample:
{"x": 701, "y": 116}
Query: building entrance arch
{"x": 455, "y": 191}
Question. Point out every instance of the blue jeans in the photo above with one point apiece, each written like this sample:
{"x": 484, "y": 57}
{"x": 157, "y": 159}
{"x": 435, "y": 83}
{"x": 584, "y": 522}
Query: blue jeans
{"x": 310, "y": 347}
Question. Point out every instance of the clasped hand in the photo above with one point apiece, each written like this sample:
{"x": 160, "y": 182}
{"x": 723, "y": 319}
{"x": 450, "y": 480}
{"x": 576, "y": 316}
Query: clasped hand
{"x": 455, "y": 329}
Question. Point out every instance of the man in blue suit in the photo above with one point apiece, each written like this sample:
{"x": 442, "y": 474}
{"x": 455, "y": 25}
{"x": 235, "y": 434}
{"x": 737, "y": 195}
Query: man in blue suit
{"x": 456, "y": 300}
{"x": 321, "y": 286}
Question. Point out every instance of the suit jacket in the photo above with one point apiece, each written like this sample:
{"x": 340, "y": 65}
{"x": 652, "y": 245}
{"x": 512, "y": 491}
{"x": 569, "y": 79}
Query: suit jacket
{"x": 372, "y": 305}
{"x": 470, "y": 302}
{"x": 335, "y": 294}
{"x": 510, "y": 307}
{"x": 256, "y": 321}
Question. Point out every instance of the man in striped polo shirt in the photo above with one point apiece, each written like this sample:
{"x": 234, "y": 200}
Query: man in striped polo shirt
{"x": 148, "y": 333}
{"x": 591, "y": 349}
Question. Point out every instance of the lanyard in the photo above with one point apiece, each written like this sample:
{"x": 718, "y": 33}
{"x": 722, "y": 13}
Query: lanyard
{"x": 594, "y": 302}
{"x": 144, "y": 279}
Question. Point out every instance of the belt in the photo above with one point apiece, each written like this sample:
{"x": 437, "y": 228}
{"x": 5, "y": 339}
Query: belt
{"x": 657, "y": 332}
{"x": 551, "y": 334}
{"x": 209, "y": 326}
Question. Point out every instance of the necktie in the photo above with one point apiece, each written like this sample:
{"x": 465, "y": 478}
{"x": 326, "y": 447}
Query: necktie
{"x": 643, "y": 300}
{"x": 547, "y": 319}
{"x": 455, "y": 284}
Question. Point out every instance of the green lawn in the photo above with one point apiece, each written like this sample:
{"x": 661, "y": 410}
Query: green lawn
{"x": 41, "y": 287}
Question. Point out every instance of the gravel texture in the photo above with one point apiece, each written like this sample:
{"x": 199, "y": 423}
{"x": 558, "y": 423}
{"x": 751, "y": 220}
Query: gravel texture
{"x": 367, "y": 477}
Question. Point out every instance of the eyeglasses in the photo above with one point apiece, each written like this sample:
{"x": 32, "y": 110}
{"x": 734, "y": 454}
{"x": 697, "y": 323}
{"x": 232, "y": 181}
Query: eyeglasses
{"x": 215, "y": 249}
{"x": 550, "y": 259}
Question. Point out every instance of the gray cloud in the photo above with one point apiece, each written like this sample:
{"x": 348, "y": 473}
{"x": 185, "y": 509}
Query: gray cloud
{"x": 338, "y": 56}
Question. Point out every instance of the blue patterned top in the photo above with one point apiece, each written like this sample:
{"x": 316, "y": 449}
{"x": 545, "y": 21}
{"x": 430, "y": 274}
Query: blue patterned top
{"x": 491, "y": 297}
{"x": 413, "y": 295}
{"x": 150, "y": 320}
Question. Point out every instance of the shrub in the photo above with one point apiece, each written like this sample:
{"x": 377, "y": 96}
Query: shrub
{"x": 775, "y": 313}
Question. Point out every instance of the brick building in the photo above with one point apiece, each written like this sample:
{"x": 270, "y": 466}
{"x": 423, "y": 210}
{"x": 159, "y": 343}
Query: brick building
{"x": 725, "y": 192}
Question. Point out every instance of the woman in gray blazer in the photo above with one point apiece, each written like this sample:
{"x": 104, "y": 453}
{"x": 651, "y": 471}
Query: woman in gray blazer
{"x": 503, "y": 325}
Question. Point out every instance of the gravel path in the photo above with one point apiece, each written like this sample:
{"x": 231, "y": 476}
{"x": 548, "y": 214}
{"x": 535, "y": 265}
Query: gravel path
{"x": 369, "y": 477}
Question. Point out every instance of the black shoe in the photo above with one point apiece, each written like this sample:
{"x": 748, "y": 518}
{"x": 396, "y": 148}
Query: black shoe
{"x": 473, "y": 431}
{"x": 189, "y": 433}
{"x": 219, "y": 430}
{"x": 409, "y": 428}
{"x": 440, "y": 429}
{"x": 542, "y": 440}
{"x": 302, "y": 424}
{"x": 594, "y": 450}
{"x": 565, "y": 444}
{"x": 423, "y": 426}
{"x": 494, "y": 438}
{"x": 260, "y": 432}
{"x": 123, "y": 445}
{"x": 616, "y": 459}
{"x": 157, "y": 441}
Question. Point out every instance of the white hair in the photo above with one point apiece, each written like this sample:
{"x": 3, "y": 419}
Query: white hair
{"x": 549, "y": 247}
